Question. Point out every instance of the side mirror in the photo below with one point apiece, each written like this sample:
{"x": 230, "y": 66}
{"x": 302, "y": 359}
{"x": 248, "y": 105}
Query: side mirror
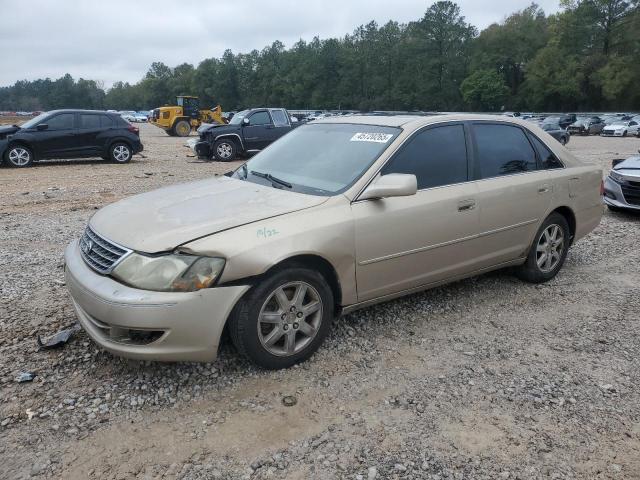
{"x": 392, "y": 185}
{"x": 245, "y": 121}
{"x": 42, "y": 126}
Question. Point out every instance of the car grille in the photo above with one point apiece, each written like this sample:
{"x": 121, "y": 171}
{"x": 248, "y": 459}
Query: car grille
{"x": 99, "y": 253}
{"x": 631, "y": 193}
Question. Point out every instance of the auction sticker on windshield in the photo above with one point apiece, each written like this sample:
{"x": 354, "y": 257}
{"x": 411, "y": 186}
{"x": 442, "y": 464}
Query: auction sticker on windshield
{"x": 372, "y": 137}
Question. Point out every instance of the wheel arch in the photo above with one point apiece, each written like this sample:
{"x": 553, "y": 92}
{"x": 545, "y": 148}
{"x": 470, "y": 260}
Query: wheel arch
{"x": 22, "y": 143}
{"x": 234, "y": 136}
{"x": 569, "y": 216}
{"x": 311, "y": 261}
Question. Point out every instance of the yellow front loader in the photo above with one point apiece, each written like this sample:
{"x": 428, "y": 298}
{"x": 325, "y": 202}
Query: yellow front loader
{"x": 179, "y": 120}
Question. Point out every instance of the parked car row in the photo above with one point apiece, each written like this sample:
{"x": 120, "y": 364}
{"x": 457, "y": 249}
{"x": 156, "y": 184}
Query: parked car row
{"x": 69, "y": 134}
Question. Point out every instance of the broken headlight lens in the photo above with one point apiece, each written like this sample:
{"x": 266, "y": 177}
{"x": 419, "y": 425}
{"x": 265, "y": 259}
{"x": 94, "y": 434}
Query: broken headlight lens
{"x": 169, "y": 273}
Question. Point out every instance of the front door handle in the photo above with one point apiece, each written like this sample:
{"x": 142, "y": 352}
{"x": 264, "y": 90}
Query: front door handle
{"x": 466, "y": 205}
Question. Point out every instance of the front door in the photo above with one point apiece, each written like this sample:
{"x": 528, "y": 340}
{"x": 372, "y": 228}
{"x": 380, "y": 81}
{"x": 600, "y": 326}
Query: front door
{"x": 408, "y": 242}
{"x": 57, "y": 140}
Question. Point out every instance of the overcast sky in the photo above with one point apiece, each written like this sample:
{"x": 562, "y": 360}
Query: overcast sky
{"x": 112, "y": 40}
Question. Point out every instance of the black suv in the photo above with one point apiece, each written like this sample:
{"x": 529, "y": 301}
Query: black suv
{"x": 70, "y": 134}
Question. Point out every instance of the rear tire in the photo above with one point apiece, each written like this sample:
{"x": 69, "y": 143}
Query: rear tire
{"x": 120, "y": 152}
{"x": 548, "y": 252}
{"x": 182, "y": 128}
{"x": 19, "y": 156}
{"x": 225, "y": 150}
{"x": 284, "y": 319}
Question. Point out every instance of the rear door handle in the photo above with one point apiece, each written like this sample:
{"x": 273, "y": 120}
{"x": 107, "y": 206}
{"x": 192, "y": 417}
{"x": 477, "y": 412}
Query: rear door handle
{"x": 544, "y": 188}
{"x": 466, "y": 205}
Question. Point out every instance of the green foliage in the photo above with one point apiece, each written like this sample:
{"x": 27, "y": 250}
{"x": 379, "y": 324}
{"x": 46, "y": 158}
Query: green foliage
{"x": 485, "y": 90}
{"x": 584, "y": 57}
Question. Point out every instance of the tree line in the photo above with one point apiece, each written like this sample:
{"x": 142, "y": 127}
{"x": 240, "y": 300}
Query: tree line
{"x": 586, "y": 57}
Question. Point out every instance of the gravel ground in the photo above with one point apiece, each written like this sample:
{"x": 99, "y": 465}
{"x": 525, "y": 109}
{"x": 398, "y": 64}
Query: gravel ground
{"x": 484, "y": 378}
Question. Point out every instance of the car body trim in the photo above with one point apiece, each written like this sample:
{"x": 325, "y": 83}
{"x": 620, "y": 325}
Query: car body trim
{"x": 444, "y": 244}
{"x": 230, "y": 135}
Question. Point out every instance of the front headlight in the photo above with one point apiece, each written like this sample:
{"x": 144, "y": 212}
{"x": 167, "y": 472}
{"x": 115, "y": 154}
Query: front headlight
{"x": 616, "y": 177}
{"x": 169, "y": 273}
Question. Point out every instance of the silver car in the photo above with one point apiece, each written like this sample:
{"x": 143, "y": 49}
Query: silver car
{"x": 337, "y": 215}
{"x": 622, "y": 186}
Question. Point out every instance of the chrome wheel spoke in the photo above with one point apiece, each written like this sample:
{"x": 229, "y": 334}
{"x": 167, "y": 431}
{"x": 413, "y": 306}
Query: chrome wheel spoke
{"x": 274, "y": 336}
{"x": 290, "y": 342}
{"x": 282, "y": 299}
{"x": 299, "y": 296}
{"x": 307, "y": 329}
{"x": 311, "y": 308}
{"x": 271, "y": 317}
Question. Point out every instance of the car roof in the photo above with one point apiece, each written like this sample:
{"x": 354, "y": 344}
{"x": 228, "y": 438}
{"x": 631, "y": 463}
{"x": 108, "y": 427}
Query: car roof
{"x": 412, "y": 122}
{"x": 75, "y": 110}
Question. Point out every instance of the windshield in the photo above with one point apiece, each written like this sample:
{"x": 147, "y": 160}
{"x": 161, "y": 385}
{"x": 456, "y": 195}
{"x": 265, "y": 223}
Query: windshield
{"x": 547, "y": 127}
{"x": 238, "y": 117}
{"x": 34, "y": 121}
{"x": 319, "y": 159}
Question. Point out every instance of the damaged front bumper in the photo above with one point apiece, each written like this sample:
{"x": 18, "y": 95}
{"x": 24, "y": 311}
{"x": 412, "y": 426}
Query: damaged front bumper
{"x": 145, "y": 325}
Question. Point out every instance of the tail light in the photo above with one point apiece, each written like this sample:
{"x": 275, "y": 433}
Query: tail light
{"x": 133, "y": 129}
{"x": 602, "y": 188}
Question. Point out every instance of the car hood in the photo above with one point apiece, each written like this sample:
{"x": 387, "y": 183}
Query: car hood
{"x": 580, "y": 123}
{"x": 616, "y": 126}
{"x": 163, "y": 219}
{"x": 8, "y": 130}
{"x": 205, "y": 127}
{"x": 629, "y": 167}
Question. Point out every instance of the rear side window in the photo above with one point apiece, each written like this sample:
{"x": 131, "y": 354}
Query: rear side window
{"x": 437, "y": 157}
{"x": 64, "y": 121}
{"x": 89, "y": 121}
{"x": 279, "y": 118}
{"x": 260, "y": 118}
{"x": 547, "y": 157}
{"x": 105, "y": 121}
{"x": 502, "y": 150}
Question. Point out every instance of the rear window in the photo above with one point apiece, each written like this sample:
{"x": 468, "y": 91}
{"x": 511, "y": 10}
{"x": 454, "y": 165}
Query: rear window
{"x": 105, "y": 121}
{"x": 547, "y": 157}
{"x": 89, "y": 121}
{"x": 279, "y": 118}
{"x": 502, "y": 150}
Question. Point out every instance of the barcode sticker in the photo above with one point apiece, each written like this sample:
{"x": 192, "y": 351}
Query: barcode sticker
{"x": 372, "y": 137}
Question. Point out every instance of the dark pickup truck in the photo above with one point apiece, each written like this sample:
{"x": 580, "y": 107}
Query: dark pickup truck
{"x": 248, "y": 131}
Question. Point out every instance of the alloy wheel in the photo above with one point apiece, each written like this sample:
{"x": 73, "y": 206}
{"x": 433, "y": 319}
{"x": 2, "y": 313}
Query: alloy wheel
{"x": 224, "y": 150}
{"x": 550, "y": 248}
{"x": 121, "y": 153}
{"x": 19, "y": 156}
{"x": 290, "y": 318}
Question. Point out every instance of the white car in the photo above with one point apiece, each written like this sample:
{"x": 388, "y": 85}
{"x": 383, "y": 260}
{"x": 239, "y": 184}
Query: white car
{"x": 621, "y": 129}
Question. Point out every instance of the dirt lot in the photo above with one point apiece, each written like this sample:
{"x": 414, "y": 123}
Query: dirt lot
{"x": 485, "y": 378}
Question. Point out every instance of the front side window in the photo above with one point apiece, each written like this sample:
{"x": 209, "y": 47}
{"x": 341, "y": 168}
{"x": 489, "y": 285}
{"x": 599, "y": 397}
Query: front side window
{"x": 89, "y": 121}
{"x": 502, "y": 150}
{"x": 260, "y": 118}
{"x": 437, "y": 157}
{"x": 320, "y": 159}
{"x": 64, "y": 121}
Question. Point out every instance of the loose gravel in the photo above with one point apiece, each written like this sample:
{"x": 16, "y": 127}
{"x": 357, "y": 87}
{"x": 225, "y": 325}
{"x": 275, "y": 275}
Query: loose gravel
{"x": 485, "y": 378}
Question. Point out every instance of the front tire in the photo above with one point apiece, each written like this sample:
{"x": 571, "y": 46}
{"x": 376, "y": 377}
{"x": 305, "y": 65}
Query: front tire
{"x": 120, "y": 152}
{"x": 182, "y": 128}
{"x": 225, "y": 150}
{"x": 548, "y": 252}
{"x": 19, "y": 156}
{"x": 284, "y": 319}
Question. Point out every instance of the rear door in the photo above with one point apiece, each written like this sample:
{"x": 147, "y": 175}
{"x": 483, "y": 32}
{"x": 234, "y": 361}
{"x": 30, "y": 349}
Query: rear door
{"x": 89, "y": 135}
{"x": 281, "y": 123}
{"x": 409, "y": 242}
{"x": 58, "y": 140}
{"x": 257, "y": 134}
{"x": 514, "y": 192}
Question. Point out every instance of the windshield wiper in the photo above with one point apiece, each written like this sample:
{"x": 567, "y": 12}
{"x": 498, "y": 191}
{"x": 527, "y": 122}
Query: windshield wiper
{"x": 272, "y": 179}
